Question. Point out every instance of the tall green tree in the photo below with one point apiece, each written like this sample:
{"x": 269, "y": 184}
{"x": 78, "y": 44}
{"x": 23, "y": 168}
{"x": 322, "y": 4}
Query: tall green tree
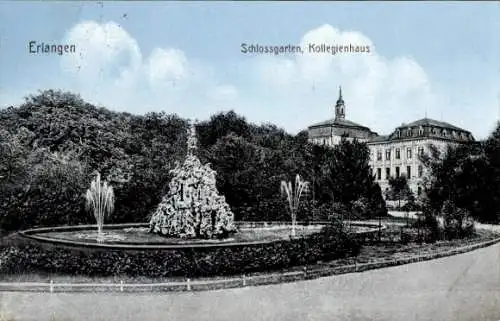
{"x": 464, "y": 177}
{"x": 348, "y": 176}
{"x": 399, "y": 188}
{"x": 492, "y": 164}
{"x": 221, "y": 125}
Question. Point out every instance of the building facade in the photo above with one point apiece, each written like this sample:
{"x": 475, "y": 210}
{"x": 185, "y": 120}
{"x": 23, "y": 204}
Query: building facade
{"x": 394, "y": 154}
{"x": 331, "y": 131}
{"x": 398, "y": 153}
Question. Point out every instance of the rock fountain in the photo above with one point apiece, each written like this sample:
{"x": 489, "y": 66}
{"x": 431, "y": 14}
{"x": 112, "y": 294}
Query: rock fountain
{"x": 193, "y": 208}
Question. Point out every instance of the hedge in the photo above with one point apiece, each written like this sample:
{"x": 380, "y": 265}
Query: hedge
{"x": 30, "y": 256}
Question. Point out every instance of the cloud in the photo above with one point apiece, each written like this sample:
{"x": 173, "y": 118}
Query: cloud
{"x": 291, "y": 91}
{"x": 223, "y": 93}
{"x": 377, "y": 90}
{"x": 167, "y": 65}
{"x": 104, "y": 52}
{"x": 110, "y": 69}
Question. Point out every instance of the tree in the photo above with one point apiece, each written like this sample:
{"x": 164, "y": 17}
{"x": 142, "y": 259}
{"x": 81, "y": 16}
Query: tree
{"x": 348, "y": 176}
{"x": 136, "y": 153}
{"x": 221, "y": 125}
{"x": 48, "y": 192}
{"x": 237, "y": 163}
{"x": 466, "y": 176}
{"x": 461, "y": 185}
{"x": 13, "y": 158}
{"x": 399, "y": 188}
{"x": 492, "y": 164}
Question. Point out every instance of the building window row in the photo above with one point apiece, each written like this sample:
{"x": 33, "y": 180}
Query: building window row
{"x": 411, "y": 131}
{"x": 408, "y": 174}
{"x": 451, "y": 133}
{"x": 409, "y": 153}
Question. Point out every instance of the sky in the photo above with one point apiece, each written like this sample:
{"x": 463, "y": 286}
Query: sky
{"x": 434, "y": 59}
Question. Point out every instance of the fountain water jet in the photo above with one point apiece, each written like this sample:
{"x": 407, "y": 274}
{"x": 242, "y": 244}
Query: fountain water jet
{"x": 293, "y": 197}
{"x": 100, "y": 200}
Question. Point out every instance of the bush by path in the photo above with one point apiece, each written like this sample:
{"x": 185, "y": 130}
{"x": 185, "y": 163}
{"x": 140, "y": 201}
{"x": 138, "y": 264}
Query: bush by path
{"x": 23, "y": 256}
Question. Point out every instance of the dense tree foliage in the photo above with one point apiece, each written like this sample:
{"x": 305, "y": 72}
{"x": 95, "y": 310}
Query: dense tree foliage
{"x": 465, "y": 179}
{"x": 399, "y": 189}
{"x": 52, "y": 144}
{"x": 349, "y": 181}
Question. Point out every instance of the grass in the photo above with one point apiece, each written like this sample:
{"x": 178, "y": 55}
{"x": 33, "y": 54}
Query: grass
{"x": 388, "y": 251}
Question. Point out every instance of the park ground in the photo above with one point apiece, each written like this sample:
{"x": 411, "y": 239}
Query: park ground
{"x": 458, "y": 288}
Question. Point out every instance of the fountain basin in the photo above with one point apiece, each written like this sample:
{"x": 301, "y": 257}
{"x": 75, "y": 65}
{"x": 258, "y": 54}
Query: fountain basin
{"x": 265, "y": 248}
{"x": 138, "y": 235}
{"x": 135, "y": 235}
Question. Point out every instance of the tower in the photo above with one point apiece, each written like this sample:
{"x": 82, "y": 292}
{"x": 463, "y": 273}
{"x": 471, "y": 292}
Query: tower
{"x": 340, "y": 106}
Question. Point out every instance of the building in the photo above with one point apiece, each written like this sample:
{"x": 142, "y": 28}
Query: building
{"x": 397, "y": 154}
{"x": 394, "y": 154}
{"x": 331, "y": 131}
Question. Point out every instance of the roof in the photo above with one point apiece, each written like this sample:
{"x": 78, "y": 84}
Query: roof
{"x": 381, "y": 138}
{"x": 431, "y": 122}
{"x": 338, "y": 122}
{"x": 409, "y": 131}
{"x": 339, "y": 127}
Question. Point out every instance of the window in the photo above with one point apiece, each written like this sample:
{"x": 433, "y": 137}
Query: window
{"x": 370, "y": 170}
{"x": 379, "y": 155}
{"x": 408, "y": 153}
{"x": 398, "y": 133}
{"x": 408, "y": 132}
{"x": 387, "y": 173}
{"x": 420, "y": 170}
{"x": 444, "y": 133}
{"x": 397, "y": 171}
{"x": 398, "y": 153}
{"x": 379, "y": 173}
{"x": 408, "y": 172}
{"x": 421, "y": 151}
{"x": 420, "y": 130}
{"x": 388, "y": 154}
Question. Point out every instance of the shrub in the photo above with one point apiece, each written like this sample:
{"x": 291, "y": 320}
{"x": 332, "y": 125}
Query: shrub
{"x": 31, "y": 256}
{"x": 51, "y": 195}
{"x": 430, "y": 228}
{"x": 335, "y": 240}
{"x": 410, "y": 207}
{"x": 457, "y": 222}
